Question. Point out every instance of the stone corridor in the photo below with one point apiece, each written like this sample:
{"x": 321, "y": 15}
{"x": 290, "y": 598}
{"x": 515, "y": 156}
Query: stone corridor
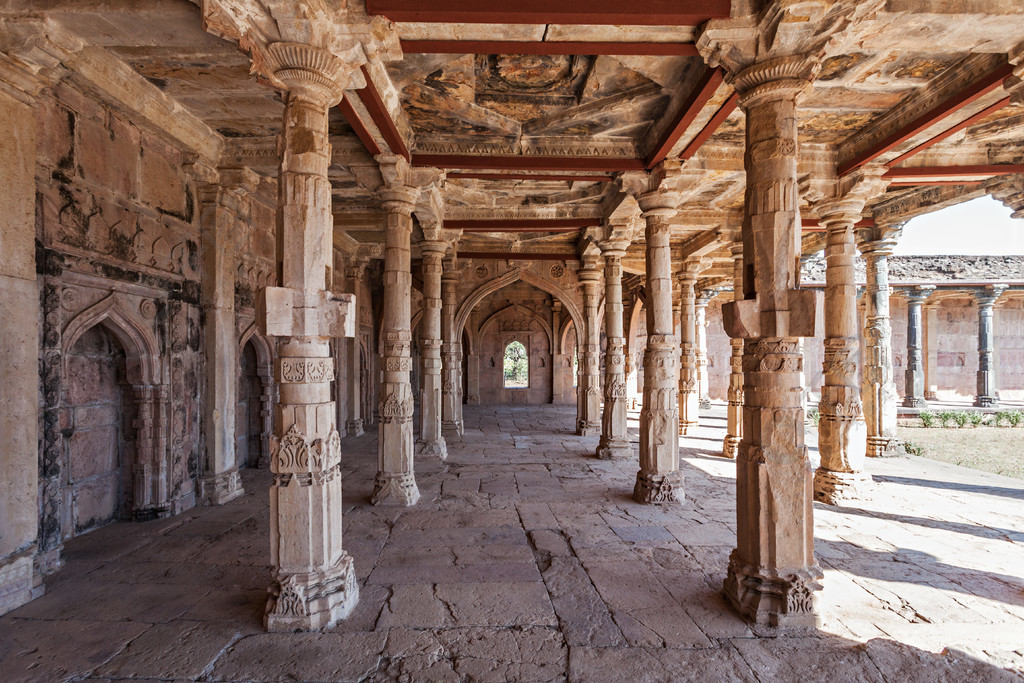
{"x": 526, "y": 559}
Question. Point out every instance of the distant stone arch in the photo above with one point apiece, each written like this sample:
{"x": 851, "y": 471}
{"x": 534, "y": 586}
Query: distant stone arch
{"x": 265, "y": 371}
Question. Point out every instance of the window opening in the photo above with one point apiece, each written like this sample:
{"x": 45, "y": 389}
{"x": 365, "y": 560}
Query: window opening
{"x": 516, "y": 366}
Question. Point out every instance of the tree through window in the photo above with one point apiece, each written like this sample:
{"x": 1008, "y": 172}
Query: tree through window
{"x": 516, "y": 367}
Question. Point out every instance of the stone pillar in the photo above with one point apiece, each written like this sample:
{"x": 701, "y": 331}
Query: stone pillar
{"x": 931, "y": 352}
{"x": 314, "y": 579}
{"x": 987, "y": 298}
{"x": 354, "y": 270}
{"x": 451, "y": 352}
{"x": 701, "y": 333}
{"x": 557, "y": 358}
{"x": 219, "y": 224}
{"x": 395, "y": 483}
{"x": 773, "y": 577}
{"x": 19, "y": 362}
{"x": 734, "y": 418}
{"x": 614, "y": 438}
{"x": 689, "y": 396}
{"x": 431, "y": 442}
{"x": 588, "y": 419}
{"x": 659, "y": 479}
{"x": 878, "y": 392}
{"x": 842, "y": 434}
{"x": 915, "y": 382}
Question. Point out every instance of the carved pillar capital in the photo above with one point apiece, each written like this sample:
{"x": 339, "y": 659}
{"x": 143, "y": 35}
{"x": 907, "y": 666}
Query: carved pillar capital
{"x": 311, "y": 73}
{"x": 988, "y": 296}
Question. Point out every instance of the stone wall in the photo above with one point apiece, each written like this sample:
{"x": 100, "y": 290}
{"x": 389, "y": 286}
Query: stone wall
{"x": 117, "y": 247}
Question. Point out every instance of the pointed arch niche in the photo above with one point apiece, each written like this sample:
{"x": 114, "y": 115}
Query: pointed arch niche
{"x": 113, "y": 334}
{"x": 256, "y": 396}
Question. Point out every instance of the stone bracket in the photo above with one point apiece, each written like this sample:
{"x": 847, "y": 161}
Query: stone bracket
{"x": 287, "y": 312}
{"x": 805, "y": 318}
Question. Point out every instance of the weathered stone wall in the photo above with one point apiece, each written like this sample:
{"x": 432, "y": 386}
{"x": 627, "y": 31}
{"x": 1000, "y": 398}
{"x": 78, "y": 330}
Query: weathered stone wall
{"x": 1010, "y": 350}
{"x": 117, "y": 238}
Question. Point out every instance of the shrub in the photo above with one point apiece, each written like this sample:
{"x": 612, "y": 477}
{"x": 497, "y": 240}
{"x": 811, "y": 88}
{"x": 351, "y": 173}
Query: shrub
{"x": 913, "y": 449}
{"x": 945, "y": 417}
{"x": 960, "y": 417}
{"x": 1015, "y": 417}
{"x": 976, "y": 418}
{"x": 814, "y": 416}
{"x": 927, "y": 418}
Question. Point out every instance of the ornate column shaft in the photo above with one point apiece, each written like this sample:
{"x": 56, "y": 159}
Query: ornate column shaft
{"x": 354, "y": 271}
{"x": 395, "y": 483}
{"x": 659, "y": 479}
{"x": 842, "y": 434}
{"x": 431, "y": 442}
{"x": 878, "y": 392}
{"x": 557, "y": 358}
{"x": 314, "y": 580}
{"x": 773, "y": 577}
{"x": 451, "y": 352}
{"x": 987, "y": 298}
{"x": 219, "y": 220}
{"x": 734, "y": 418}
{"x": 689, "y": 396}
{"x": 588, "y": 419}
{"x": 701, "y": 330}
{"x": 614, "y": 438}
{"x": 915, "y": 384}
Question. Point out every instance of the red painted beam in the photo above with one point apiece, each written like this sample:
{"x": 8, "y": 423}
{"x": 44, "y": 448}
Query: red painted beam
{"x": 716, "y": 121}
{"x": 970, "y": 121}
{"x": 475, "y": 230}
{"x": 940, "y": 111}
{"x": 505, "y": 223}
{"x": 517, "y": 256}
{"x": 702, "y": 92}
{"x": 943, "y": 172}
{"x": 528, "y": 176}
{"x": 360, "y": 129}
{"x": 928, "y": 182}
{"x": 521, "y": 163}
{"x": 603, "y": 12}
{"x": 507, "y": 47}
{"x": 381, "y": 116}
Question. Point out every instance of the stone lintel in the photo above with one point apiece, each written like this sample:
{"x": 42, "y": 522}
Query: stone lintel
{"x": 805, "y": 318}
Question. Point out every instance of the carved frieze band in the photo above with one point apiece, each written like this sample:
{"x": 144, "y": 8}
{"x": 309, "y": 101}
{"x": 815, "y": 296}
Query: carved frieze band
{"x": 305, "y": 370}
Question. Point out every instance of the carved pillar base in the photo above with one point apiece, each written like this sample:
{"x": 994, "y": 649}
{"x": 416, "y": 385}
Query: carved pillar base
{"x": 585, "y": 428}
{"x": 18, "y": 581}
{"x": 615, "y": 450}
{"x": 658, "y": 489}
{"x": 767, "y": 598}
{"x": 731, "y": 446}
{"x": 395, "y": 489}
{"x": 986, "y": 401}
{"x": 436, "y": 448}
{"x": 217, "y": 489}
{"x": 915, "y": 402}
{"x": 835, "y": 488}
{"x": 355, "y": 427}
{"x": 314, "y": 600}
{"x": 880, "y": 447}
{"x": 930, "y": 395}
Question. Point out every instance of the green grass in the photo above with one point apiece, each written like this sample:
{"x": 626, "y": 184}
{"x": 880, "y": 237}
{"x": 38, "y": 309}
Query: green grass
{"x": 990, "y": 449}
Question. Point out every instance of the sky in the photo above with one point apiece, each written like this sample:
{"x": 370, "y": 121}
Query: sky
{"x": 979, "y": 227}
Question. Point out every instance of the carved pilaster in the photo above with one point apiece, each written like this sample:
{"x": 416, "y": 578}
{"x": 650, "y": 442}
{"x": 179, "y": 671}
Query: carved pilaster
{"x": 354, "y": 425}
{"x": 614, "y": 438}
{"x": 689, "y": 389}
{"x": 704, "y": 297}
{"x": 451, "y": 353}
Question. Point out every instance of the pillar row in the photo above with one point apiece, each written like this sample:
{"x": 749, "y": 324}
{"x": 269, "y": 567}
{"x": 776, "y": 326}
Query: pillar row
{"x": 734, "y": 417}
{"x": 689, "y": 390}
{"x": 701, "y": 335}
{"x": 451, "y": 354}
{"x": 355, "y": 425}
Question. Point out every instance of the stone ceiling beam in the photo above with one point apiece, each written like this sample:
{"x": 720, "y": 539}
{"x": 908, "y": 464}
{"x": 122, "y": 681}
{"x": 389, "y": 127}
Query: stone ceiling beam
{"x": 548, "y": 47}
{"x": 595, "y": 12}
{"x": 703, "y": 92}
